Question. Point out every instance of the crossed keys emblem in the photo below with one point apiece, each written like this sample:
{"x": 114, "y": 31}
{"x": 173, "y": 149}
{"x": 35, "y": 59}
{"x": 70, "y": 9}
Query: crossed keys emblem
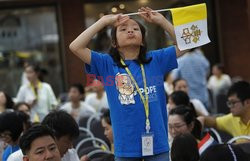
{"x": 191, "y": 35}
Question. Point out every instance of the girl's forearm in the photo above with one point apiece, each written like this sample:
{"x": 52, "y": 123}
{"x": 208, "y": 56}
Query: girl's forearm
{"x": 167, "y": 26}
{"x": 84, "y": 38}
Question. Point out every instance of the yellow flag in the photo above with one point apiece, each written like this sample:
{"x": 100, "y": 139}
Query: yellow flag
{"x": 190, "y": 25}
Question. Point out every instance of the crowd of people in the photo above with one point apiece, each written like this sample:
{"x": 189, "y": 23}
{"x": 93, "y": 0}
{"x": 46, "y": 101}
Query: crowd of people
{"x": 141, "y": 119}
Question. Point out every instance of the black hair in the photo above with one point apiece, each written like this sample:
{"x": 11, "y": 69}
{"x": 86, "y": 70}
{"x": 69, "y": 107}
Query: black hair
{"x": 241, "y": 89}
{"x": 41, "y": 72}
{"x": 9, "y": 102}
{"x": 184, "y": 148}
{"x": 12, "y": 122}
{"x": 219, "y": 66}
{"x": 33, "y": 133}
{"x": 181, "y": 98}
{"x": 20, "y": 104}
{"x": 224, "y": 152}
{"x": 143, "y": 48}
{"x": 62, "y": 123}
{"x": 25, "y": 119}
{"x": 105, "y": 114}
{"x": 79, "y": 87}
{"x": 188, "y": 117}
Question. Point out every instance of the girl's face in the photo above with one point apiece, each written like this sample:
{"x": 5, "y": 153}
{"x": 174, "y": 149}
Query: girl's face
{"x": 128, "y": 34}
{"x": 177, "y": 126}
{"x": 2, "y": 99}
{"x": 31, "y": 74}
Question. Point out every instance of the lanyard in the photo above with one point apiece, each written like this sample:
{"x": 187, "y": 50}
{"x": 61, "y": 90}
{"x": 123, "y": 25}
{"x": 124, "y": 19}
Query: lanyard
{"x": 144, "y": 99}
{"x": 35, "y": 89}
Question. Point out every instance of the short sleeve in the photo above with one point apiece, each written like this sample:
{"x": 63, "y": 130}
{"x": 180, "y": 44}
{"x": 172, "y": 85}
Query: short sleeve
{"x": 98, "y": 64}
{"x": 166, "y": 58}
{"x": 223, "y": 122}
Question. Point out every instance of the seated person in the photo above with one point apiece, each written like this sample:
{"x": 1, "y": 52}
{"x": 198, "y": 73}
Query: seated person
{"x": 106, "y": 124}
{"x": 11, "y": 127}
{"x": 66, "y": 129}
{"x": 38, "y": 144}
{"x": 182, "y": 120}
{"x": 76, "y": 107}
{"x": 237, "y": 122}
{"x": 181, "y": 85}
{"x": 185, "y": 148}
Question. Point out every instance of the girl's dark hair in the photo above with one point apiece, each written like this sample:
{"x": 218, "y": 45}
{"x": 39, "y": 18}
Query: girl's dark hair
{"x": 184, "y": 148}
{"x": 181, "y": 98}
{"x": 9, "y": 102}
{"x": 143, "y": 48}
{"x": 188, "y": 117}
{"x": 224, "y": 152}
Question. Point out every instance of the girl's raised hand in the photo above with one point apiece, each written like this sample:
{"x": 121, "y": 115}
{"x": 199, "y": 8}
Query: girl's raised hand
{"x": 151, "y": 16}
{"x": 114, "y": 20}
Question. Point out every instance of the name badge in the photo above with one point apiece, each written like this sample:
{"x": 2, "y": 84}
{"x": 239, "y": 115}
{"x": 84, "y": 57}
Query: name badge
{"x": 147, "y": 144}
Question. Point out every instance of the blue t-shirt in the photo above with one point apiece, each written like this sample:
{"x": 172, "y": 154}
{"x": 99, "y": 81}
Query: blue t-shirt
{"x": 126, "y": 109}
{"x": 9, "y": 150}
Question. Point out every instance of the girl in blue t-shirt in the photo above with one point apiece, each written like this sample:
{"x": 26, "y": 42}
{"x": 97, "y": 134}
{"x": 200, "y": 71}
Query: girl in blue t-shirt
{"x": 133, "y": 80}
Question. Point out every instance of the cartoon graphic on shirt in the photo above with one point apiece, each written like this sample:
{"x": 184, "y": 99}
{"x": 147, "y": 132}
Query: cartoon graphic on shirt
{"x": 126, "y": 89}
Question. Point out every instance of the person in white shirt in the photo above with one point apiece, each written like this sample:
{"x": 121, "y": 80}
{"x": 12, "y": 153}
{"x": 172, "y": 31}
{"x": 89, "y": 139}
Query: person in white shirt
{"x": 218, "y": 82}
{"x": 39, "y": 95}
{"x": 97, "y": 99}
{"x": 76, "y": 107}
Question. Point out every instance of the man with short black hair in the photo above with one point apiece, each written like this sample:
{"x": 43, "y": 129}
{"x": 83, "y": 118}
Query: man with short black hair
{"x": 38, "y": 144}
{"x": 238, "y": 121}
{"x": 66, "y": 130}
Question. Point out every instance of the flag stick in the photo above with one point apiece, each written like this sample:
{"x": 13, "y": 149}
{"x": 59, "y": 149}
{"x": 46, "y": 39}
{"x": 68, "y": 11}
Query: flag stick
{"x": 137, "y": 13}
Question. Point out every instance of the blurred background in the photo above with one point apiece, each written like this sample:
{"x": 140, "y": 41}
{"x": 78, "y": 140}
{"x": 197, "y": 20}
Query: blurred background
{"x": 41, "y": 31}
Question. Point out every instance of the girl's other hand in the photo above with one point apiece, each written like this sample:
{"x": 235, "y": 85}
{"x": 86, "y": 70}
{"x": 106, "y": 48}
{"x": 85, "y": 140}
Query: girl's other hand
{"x": 151, "y": 16}
{"x": 114, "y": 20}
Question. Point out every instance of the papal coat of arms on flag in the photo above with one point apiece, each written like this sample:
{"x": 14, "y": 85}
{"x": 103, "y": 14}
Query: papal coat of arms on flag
{"x": 190, "y": 25}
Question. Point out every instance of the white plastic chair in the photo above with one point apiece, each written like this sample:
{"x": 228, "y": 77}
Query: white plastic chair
{"x": 239, "y": 137}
